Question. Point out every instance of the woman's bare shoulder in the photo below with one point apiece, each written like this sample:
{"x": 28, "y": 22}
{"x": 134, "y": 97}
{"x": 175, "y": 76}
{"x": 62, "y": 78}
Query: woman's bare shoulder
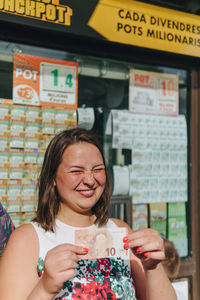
{"x": 121, "y": 223}
{"x": 23, "y": 238}
{"x": 26, "y": 231}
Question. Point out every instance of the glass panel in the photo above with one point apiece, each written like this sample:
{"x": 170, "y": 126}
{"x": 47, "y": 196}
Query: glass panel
{"x": 103, "y": 84}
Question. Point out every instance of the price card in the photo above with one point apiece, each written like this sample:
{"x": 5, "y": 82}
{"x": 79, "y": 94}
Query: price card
{"x": 153, "y": 93}
{"x": 43, "y": 81}
{"x": 102, "y": 242}
{"x": 57, "y": 83}
{"x": 167, "y": 88}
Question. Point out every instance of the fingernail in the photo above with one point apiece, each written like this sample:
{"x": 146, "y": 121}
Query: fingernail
{"x": 138, "y": 250}
{"x": 146, "y": 254}
{"x": 126, "y": 246}
{"x": 85, "y": 250}
{"x": 125, "y": 239}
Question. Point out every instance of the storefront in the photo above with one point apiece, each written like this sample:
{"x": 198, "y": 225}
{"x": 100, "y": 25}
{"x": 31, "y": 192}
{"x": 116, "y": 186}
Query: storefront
{"x": 131, "y": 72}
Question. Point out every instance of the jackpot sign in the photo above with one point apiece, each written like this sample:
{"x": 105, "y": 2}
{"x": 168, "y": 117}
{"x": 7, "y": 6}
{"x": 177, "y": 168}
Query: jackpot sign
{"x": 45, "y": 10}
{"x": 121, "y": 21}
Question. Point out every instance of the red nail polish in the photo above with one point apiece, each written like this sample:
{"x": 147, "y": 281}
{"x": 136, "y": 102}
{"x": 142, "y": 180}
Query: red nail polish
{"x": 126, "y": 246}
{"x": 146, "y": 254}
{"x": 138, "y": 250}
{"x": 125, "y": 239}
{"x": 85, "y": 250}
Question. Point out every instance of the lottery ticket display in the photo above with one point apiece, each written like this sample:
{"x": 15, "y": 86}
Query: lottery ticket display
{"x": 158, "y": 172}
{"x": 25, "y": 132}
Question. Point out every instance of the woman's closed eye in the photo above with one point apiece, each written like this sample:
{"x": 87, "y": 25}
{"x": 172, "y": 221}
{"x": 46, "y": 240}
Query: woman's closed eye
{"x": 76, "y": 172}
{"x": 93, "y": 171}
{"x": 97, "y": 170}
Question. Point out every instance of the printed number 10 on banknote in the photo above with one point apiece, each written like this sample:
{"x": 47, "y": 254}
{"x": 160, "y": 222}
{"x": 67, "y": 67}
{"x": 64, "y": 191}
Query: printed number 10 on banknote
{"x": 102, "y": 243}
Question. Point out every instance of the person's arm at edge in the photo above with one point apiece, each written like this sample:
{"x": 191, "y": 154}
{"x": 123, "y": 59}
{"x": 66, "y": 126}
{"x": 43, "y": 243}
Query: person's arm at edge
{"x": 156, "y": 281}
{"x": 6, "y": 228}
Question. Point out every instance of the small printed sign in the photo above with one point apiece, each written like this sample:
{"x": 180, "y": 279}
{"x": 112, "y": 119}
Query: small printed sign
{"x": 153, "y": 93}
{"x": 43, "y": 81}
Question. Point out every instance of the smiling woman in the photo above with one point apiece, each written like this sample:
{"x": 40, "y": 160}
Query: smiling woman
{"x": 74, "y": 198}
{"x": 70, "y": 152}
{"x": 79, "y": 189}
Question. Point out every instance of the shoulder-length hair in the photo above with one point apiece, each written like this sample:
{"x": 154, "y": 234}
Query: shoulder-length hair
{"x": 48, "y": 197}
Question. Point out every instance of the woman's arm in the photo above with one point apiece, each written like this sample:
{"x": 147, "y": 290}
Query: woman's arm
{"x": 158, "y": 284}
{"x": 18, "y": 264}
{"x": 18, "y": 267}
{"x": 151, "y": 280}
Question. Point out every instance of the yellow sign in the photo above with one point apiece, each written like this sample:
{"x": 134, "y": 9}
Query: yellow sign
{"x": 139, "y": 24}
{"x": 45, "y": 10}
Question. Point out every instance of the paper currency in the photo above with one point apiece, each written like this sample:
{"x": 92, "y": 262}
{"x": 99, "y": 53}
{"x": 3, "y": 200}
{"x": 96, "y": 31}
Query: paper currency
{"x": 102, "y": 243}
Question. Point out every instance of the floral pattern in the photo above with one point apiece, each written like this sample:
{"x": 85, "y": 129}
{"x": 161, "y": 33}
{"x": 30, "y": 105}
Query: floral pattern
{"x": 6, "y": 228}
{"x": 98, "y": 279}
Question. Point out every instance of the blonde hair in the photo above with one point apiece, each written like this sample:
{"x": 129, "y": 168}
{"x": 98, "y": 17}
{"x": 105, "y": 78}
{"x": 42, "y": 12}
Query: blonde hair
{"x": 172, "y": 261}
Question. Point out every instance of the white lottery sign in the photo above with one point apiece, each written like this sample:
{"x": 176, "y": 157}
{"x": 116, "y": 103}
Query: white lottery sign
{"x": 153, "y": 93}
{"x": 57, "y": 83}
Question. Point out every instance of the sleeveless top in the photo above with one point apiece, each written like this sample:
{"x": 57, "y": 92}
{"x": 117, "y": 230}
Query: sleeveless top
{"x": 95, "y": 279}
{"x": 6, "y": 228}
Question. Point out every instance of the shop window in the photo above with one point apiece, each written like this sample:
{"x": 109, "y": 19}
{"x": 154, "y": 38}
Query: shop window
{"x": 157, "y": 197}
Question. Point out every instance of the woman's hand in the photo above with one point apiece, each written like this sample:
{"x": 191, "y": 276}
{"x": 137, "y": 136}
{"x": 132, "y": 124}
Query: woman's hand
{"x": 147, "y": 245}
{"x": 59, "y": 266}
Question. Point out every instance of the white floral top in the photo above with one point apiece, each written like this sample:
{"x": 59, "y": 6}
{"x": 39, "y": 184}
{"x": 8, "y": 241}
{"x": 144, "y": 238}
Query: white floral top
{"x": 96, "y": 279}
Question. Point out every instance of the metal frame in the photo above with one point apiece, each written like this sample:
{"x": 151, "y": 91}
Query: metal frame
{"x": 124, "y": 203}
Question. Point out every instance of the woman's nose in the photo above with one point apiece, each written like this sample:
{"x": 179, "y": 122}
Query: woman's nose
{"x": 88, "y": 177}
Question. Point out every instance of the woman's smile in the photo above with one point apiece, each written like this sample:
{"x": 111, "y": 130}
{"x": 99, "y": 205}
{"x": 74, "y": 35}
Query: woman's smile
{"x": 87, "y": 193}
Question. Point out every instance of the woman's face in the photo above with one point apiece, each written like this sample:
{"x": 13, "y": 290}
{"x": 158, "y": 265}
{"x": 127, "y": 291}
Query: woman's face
{"x": 80, "y": 177}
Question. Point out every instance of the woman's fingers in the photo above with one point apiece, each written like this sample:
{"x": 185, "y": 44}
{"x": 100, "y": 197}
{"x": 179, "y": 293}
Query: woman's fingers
{"x": 145, "y": 240}
{"x": 60, "y": 265}
{"x": 147, "y": 245}
{"x": 65, "y": 264}
{"x": 142, "y": 246}
{"x": 156, "y": 255}
{"x": 64, "y": 256}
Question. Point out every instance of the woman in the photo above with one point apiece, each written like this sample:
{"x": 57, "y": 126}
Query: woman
{"x": 74, "y": 193}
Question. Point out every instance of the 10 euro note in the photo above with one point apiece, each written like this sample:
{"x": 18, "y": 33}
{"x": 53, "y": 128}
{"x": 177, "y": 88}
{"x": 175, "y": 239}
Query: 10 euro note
{"x": 102, "y": 243}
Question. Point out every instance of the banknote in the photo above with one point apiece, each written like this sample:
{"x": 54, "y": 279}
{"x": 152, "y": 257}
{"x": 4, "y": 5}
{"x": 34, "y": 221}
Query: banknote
{"x": 102, "y": 243}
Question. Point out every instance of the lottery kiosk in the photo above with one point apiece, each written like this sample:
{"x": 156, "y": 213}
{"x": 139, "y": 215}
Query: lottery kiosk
{"x": 129, "y": 70}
